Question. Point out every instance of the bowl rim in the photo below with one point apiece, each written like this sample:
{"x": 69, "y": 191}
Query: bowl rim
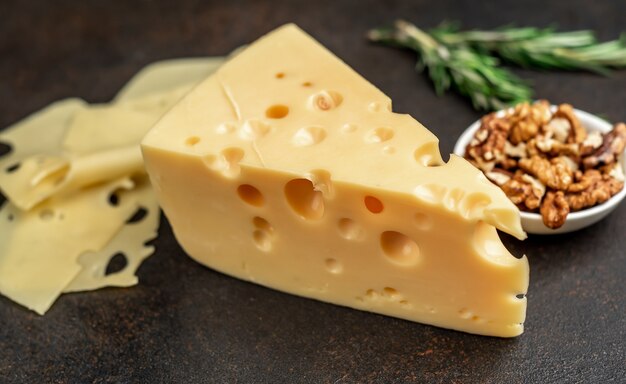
{"x": 591, "y": 122}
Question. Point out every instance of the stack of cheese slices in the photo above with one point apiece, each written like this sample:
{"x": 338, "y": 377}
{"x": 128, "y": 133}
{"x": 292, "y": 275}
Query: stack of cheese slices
{"x": 77, "y": 191}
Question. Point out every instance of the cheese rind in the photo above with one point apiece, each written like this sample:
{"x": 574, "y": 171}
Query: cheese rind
{"x": 286, "y": 168}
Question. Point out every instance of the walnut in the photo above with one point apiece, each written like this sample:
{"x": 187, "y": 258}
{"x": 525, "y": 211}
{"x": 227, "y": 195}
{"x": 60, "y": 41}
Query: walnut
{"x": 616, "y": 172}
{"x": 593, "y": 141}
{"x": 487, "y": 147}
{"x": 612, "y": 147}
{"x": 499, "y": 176}
{"x": 546, "y": 161}
{"x": 554, "y": 147}
{"x": 554, "y": 173}
{"x": 524, "y": 191}
{"x": 554, "y": 209}
{"x": 559, "y": 128}
{"x": 593, "y": 188}
{"x": 527, "y": 120}
{"x": 517, "y": 151}
{"x": 577, "y": 134}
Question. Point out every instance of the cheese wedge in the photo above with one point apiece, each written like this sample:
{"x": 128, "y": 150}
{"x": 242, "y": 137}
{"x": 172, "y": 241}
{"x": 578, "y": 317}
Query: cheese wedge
{"x": 288, "y": 169}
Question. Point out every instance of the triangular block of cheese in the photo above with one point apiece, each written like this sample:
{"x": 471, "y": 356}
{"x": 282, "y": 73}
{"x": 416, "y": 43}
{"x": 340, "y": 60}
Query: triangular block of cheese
{"x": 288, "y": 169}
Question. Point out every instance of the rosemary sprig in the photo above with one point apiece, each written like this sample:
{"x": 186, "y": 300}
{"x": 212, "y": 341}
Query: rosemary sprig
{"x": 475, "y": 75}
{"x": 467, "y": 60}
{"x": 540, "y": 48}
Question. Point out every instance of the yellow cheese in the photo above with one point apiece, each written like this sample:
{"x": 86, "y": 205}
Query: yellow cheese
{"x": 162, "y": 77}
{"x": 130, "y": 241}
{"x": 288, "y": 169}
{"x": 39, "y": 248}
{"x": 101, "y": 127}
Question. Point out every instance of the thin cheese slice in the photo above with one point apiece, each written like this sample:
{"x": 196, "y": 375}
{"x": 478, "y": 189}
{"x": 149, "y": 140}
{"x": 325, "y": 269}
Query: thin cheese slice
{"x": 42, "y": 176}
{"x": 130, "y": 241}
{"x": 35, "y": 143}
{"x": 39, "y": 248}
{"x": 288, "y": 169}
{"x": 101, "y": 127}
{"x": 164, "y": 76}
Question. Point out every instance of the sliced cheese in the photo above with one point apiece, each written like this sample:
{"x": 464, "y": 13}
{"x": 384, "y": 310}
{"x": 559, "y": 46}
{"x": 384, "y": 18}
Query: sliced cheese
{"x": 130, "y": 241}
{"x": 39, "y": 248}
{"x": 164, "y": 76}
{"x": 35, "y": 143}
{"x": 59, "y": 158}
{"x": 101, "y": 127}
{"x": 288, "y": 169}
{"x": 42, "y": 176}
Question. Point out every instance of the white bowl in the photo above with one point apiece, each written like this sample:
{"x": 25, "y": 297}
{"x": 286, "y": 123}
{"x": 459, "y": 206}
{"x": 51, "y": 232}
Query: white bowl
{"x": 532, "y": 222}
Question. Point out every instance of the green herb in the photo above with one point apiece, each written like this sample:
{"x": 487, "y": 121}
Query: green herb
{"x": 540, "y": 48}
{"x": 474, "y": 75}
{"x": 465, "y": 61}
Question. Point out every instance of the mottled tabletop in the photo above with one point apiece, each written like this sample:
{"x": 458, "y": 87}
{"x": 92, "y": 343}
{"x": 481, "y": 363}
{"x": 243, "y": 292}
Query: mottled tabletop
{"x": 185, "y": 323}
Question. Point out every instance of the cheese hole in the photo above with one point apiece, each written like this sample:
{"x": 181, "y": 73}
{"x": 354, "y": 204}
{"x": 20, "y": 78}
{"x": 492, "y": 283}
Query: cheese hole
{"x": 474, "y": 205}
{"x": 371, "y": 294}
{"x": 322, "y": 182}
{"x": 350, "y": 229}
{"x": 379, "y": 135}
{"x": 280, "y": 75}
{"x": 261, "y": 223}
{"x": 306, "y": 202}
{"x": 116, "y": 264}
{"x": 5, "y": 148}
{"x": 250, "y": 195}
{"x": 308, "y": 136}
{"x": 520, "y": 296}
{"x": 423, "y": 221}
{"x": 46, "y": 215}
{"x": 114, "y": 199}
{"x": 333, "y": 266}
{"x": 428, "y": 155}
{"x": 229, "y": 162}
{"x": 431, "y": 193}
{"x": 307, "y": 84}
{"x": 453, "y": 198}
{"x": 404, "y": 302}
{"x": 373, "y": 204}
{"x": 254, "y": 129}
{"x": 138, "y": 216}
{"x": 488, "y": 245}
{"x": 399, "y": 248}
{"x": 192, "y": 140}
{"x": 465, "y": 313}
{"x": 391, "y": 292}
{"x": 10, "y": 217}
{"x": 325, "y": 100}
{"x": 263, "y": 240}
{"x": 13, "y": 168}
{"x": 277, "y": 111}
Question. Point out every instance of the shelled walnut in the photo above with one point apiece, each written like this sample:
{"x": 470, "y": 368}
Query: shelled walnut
{"x": 546, "y": 162}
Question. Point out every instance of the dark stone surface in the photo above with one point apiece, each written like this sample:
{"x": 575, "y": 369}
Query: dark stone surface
{"x": 187, "y": 324}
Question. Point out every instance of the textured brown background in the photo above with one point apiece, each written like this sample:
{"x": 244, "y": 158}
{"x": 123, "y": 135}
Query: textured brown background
{"x": 187, "y": 324}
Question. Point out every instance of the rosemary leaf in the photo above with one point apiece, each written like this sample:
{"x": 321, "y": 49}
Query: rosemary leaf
{"x": 473, "y": 74}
